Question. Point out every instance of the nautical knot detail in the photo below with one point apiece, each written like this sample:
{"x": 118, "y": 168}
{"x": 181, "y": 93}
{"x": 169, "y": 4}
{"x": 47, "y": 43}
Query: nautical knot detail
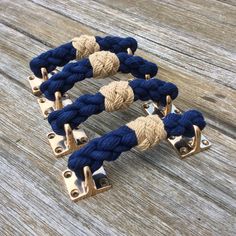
{"x": 85, "y": 45}
{"x": 149, "y": 131}
{"x": 118, "y": 95}
{"x": 104, "y": 64}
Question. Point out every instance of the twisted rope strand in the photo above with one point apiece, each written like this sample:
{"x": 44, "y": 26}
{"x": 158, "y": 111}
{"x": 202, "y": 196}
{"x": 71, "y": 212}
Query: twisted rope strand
{"x": 118, "y": 95}
{"x": 144, "y": 132}
{"x": 78, "y": 48}
{"x": 112, "y": 97}
{"x": 78, "y": 71}
{"x": 85, "y": 45}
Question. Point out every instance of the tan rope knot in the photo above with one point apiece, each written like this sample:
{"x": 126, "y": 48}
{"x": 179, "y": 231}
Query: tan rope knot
{"x": 118, "y": 95}
{"x": 85, "y": 45}
{"x": 104, "y": 64}
{"x": 149, "y": 131}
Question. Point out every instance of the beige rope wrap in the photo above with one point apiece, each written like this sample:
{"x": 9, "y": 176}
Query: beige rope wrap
{"x": 149, "y": 131}
{"x": 118, "y": 95}
{"x": 85, "y": 45}
{"x": 104, "y": 64}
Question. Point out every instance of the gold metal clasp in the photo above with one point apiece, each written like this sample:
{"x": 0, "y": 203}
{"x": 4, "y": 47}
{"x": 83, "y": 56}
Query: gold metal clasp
{"x": 63, "y": 145}
{"x": 188, "y": 146}
{"x": 48, "y": 106}
{"x": 131, "y": 78}
{"x": 184, "y": 146}
{"x": 93, "y": 183}
{"x": 35, "y": 82}
{"x": 147, "y": 77}
{"x": 153, "y": 108}
{"x": 129, "y": 51}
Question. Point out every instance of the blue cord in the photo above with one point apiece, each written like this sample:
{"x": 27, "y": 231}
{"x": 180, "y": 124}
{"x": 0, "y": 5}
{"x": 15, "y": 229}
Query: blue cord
{"x": 65, "y": 53}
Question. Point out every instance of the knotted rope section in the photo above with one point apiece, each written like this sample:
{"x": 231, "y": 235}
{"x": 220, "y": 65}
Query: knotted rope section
{"x": 78, "y": 48}
{"x": 85, "y": 45}
{"x": 148, "y": 130}
{"x": 111, "y": 145}
{"x": 118, "y": 95}
{"x": 114, "y": 96}
{"x": 85, "y": 68}
{"x": 104, "y": 64}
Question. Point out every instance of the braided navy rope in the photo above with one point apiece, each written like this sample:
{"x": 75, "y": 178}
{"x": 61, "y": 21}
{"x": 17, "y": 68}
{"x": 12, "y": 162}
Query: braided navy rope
{"x": 78, "y": 71}
{"x": 61, "y": 55}
{"x": 110, "y": 146}
{"x": 87, "y": 105}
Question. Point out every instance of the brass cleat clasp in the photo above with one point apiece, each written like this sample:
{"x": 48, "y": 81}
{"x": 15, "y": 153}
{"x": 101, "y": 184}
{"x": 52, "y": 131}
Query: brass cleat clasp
{"x": 189, "y": 146}
{"x": 153, "y": 108}
{"x": 63, "y": 145}
{"x": 35, "y": 82}
{"x": 48, "y": 106}
{"x": 92, "y": 184}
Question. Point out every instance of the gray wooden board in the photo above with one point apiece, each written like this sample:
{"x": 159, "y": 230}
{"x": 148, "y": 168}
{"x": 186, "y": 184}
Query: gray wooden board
{"x": 154, "y": 193}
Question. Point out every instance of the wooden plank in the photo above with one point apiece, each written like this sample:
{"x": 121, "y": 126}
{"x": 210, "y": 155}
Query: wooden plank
{"x": 167, "y": 197}
{"x": 229, "y": 2}
{"x": 210, "y": 10}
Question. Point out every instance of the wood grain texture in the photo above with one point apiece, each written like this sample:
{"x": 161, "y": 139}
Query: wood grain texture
{"x": 154, "y": 193}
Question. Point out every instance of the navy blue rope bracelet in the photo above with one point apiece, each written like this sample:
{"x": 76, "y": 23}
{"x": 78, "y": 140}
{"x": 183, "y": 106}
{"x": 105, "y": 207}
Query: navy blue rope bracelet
{"x": 79, "y": 48}
{"x": 144, "y": 132}
{"x": 117, "y": 95}
{"x": 99, "y": 64}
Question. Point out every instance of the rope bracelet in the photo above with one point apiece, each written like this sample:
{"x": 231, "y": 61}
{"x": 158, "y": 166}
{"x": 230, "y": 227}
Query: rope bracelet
{"x": 144, "y": 132}
{"x": 78, "y": 48}
{"x": 98, "y": 65}
{"x": 112, "y": 97}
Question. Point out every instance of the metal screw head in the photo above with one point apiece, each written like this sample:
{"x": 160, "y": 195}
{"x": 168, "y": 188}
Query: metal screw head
{"x": 205, "y": 142}
{"x": 83, "y": 139}
{"x": 177, "y": 111}
{"x": 58, "y": 149}
{"x": 51, "y": 135}
{"x": 42, "y": 100}
{"x": 145, "y": 106}
{"x": 183, "y": 150}
{"x": 68, "y": 174}
{"x": 190, "y": 142}
{"x": 74, "y": 193}
{"x": 103, "y": 182}
{"x": 48, "y": 111}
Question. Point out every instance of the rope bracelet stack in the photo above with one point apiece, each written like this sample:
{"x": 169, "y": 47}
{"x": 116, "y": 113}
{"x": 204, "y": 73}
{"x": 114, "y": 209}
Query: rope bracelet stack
{"x": 99, "y": 57}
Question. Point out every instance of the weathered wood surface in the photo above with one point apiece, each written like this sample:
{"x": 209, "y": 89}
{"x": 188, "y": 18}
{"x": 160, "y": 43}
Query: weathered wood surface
{"x": 154, "y": 193}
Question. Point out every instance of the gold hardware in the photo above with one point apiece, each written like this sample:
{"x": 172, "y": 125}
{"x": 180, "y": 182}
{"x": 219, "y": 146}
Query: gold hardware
{"x": 129, "y": 51}
{"x": 45, "y": 74}
{"x": 48, "y": 106}
{"x": 35, "y": 82}
{"x": 93, "y": 183}
{"x": 58, "y": 101}
{"x": 147, "y": 77}
{"x": 184, "y": 146}
{"x": 189, "y": 146}
{"x": 63, "y": 145}
{"x": 152, "y": 108}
